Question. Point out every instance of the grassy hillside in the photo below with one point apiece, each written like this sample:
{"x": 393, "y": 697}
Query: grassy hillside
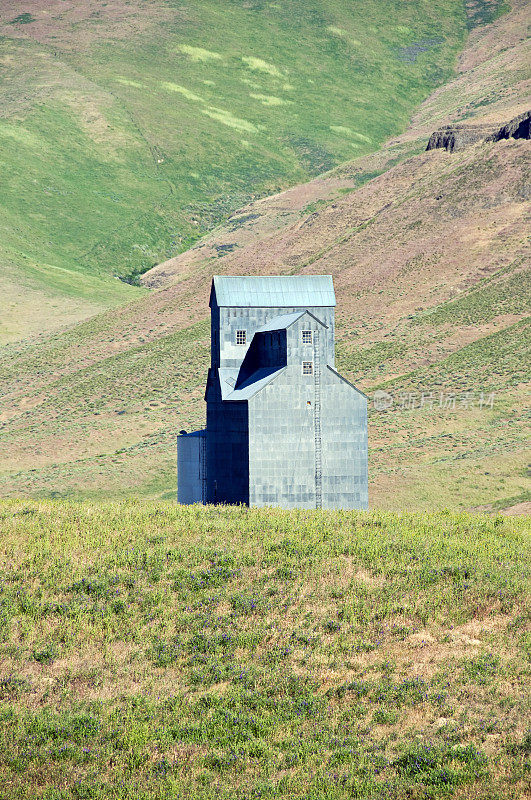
{"x": 154, "y": 651}
{"x": 128, "y": 129}
{"x": 428, "y": 256}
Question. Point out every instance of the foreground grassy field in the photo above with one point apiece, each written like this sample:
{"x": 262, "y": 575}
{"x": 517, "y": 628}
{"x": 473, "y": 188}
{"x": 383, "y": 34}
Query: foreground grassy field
{"x": 154, "y": 651}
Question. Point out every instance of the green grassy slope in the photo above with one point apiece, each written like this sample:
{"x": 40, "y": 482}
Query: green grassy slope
{"x": 155, "y": 651}
{"x": 120, "y": 145}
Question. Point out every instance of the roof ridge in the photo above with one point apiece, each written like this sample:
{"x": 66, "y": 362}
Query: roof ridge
{"x": 293, "y": 317}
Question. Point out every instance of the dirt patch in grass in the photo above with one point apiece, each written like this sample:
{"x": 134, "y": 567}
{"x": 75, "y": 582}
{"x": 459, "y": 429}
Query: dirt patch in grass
{"x": 79, "y": 25}
{"x": 519, "y": 509}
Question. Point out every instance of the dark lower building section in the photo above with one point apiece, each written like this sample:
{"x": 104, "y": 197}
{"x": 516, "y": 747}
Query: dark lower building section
{"x": 191, "y": 467}
{"x": 227, "y": 453}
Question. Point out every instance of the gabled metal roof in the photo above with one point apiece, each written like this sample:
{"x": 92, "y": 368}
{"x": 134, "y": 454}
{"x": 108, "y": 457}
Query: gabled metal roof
{"x": 252, "y": 385}
{"x": 285, "y": 320}
{"x": 288, "y": 291}
{"x": 227, "y": 380}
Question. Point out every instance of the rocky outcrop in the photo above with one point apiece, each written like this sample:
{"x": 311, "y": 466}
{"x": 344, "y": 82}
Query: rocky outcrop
{"x": 457, "y": 137}
{"x": 517, "y": 128}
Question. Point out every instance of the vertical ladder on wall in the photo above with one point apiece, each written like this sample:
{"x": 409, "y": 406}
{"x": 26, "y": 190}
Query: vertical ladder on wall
{"x": 317, "y": 421}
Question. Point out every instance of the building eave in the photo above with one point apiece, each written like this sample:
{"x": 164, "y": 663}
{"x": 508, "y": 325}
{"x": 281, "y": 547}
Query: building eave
{"x": 253, "y": 385}
{"x": 336, "y": 373}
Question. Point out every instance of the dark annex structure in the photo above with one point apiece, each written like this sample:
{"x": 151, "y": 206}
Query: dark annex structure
{"x": 283, "y": 427}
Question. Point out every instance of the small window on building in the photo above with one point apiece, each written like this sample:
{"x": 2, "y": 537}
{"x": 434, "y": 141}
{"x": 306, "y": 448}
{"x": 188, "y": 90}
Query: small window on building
{"x": 307, "y": 367}
{"x": 306, "y": 337}
{"x": 241, "y": 337}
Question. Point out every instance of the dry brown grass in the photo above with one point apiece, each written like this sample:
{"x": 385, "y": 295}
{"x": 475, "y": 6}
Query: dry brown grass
{"x": 70, "y": 25}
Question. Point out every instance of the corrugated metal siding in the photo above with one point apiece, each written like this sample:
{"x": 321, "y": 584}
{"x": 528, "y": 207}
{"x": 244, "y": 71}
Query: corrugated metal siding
{"x": 285, "y": 320}
{"x": 282, "y": 321}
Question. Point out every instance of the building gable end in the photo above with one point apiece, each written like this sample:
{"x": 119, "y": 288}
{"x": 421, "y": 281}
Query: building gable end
{"x": 341, "y": 378}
